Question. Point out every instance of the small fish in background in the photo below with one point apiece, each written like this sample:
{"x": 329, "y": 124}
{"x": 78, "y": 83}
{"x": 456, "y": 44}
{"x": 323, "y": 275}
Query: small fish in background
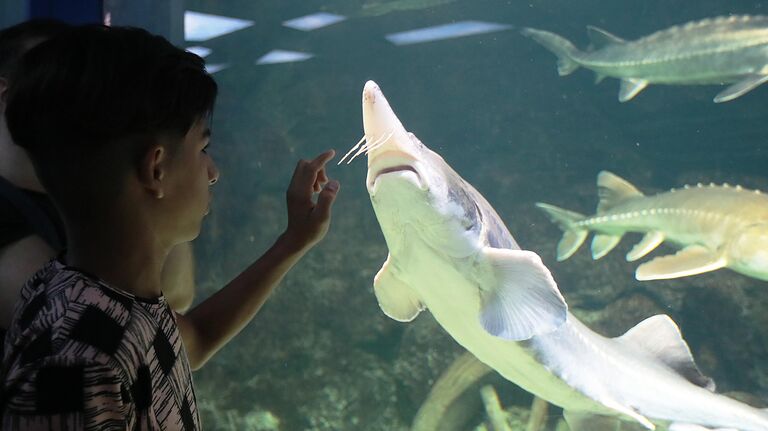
{"x": 450, "y": 253}
{"x": 724, "y": 50}
{"x": 715, "y": 226}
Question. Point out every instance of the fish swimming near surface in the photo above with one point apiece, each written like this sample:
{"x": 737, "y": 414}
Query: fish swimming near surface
{"x": 724, "y": 50}
{"x": 715, "y": 226}
{"x": 450, "y": 253}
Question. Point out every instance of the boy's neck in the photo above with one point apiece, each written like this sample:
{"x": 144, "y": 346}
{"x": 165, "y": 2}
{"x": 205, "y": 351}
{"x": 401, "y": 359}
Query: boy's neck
{"x": 123, "y": 253}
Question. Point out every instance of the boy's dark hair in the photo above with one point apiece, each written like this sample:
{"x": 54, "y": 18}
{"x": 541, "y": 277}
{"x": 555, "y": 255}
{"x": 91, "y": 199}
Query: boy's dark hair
{"x": 88, "y": 103}
{"x": 18, "y": 39}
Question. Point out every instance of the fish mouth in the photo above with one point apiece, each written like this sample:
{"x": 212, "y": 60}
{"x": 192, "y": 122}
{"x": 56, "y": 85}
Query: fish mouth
{"x": 398, "y": 168}
{"x": 393, "y": 162}
{"x": 401, "y": 170}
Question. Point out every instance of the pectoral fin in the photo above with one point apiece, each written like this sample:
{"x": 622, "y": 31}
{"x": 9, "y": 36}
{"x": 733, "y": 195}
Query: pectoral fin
{"x": 650, "y": 241}
{"x": 396, "y": 299}
{"x": 691, "y": 260}
{"x": 578, "y": 421}
{"x": 630, "y": 87}
{"x": 738, "y": 89}
{"x": 524, "y": 300}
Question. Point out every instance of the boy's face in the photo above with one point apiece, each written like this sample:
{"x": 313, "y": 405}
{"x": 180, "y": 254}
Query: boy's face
{"x": 191, "y": 172}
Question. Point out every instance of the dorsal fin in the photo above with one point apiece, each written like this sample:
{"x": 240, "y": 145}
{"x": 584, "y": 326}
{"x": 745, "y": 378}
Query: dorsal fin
{"x": 660, "y": 337}
{"x": 601, "y": 38}
{"x": 612, "y": 190}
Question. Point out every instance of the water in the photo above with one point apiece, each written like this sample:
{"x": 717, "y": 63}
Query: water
{"x": 321, "y": 355}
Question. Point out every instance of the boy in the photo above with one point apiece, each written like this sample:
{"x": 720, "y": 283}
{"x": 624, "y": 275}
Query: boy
{"x": 116, "y": 123}
{"x": 31, "y": 231}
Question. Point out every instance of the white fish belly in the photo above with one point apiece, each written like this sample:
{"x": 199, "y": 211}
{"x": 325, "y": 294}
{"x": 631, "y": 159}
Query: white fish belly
{"x": 454, "y": 301}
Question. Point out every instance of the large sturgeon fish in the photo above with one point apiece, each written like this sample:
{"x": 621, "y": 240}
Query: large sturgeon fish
{"x": 716, "y": 226}
{"x": 722, "y": 50}
{"x": 449, "y": 252}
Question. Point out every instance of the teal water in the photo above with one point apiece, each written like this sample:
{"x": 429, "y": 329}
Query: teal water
{"x": 321, "y": 355}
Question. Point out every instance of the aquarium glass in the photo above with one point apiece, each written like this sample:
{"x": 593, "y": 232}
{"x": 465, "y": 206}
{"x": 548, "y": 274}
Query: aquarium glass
{"x": 461, "y": 75}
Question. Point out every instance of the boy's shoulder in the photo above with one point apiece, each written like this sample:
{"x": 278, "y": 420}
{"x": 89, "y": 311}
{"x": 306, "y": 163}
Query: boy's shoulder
{"x": 80, "y": 315}
{"x": 68, "y": 300}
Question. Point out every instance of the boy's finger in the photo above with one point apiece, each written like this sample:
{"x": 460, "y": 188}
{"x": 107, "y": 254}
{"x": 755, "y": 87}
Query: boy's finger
{"x": 322, "y": 177}
{"x": 325, "y": 199}
{"x": 307, "y": 173}
{"x": 319, "y": 162}
{"x": 320, "y": 180}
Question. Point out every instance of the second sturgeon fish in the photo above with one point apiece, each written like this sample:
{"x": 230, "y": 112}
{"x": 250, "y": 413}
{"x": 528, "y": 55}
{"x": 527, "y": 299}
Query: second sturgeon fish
{"x": 724, "y": 50}
{"x": 715, "y": 226}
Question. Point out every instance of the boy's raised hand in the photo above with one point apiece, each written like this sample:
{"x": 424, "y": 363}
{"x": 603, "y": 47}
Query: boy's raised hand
{"x": 308, "y": 220}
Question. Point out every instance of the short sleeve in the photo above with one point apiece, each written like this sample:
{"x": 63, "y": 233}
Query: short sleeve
{"x": 80, "y": 396}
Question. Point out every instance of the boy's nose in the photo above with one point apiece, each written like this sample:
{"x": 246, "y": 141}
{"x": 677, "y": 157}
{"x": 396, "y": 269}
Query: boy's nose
{"x": 213, "y": 173}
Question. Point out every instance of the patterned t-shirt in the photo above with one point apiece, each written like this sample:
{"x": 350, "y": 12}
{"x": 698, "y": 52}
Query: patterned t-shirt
{"x": 83, "y": 355}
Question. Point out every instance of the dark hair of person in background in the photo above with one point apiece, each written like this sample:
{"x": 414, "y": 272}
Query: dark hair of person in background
{"x": 32, "y": 211}
{"x": 31, "y": 231}
{"x": 18, "y": 39}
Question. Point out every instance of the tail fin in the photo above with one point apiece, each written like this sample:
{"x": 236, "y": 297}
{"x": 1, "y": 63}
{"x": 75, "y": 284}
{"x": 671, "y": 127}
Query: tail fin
{"x": 561, "y": 47}
{"x": 573, "y": 236}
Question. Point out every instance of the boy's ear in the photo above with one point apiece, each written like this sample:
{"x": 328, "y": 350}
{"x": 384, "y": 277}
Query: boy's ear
{"x": 152, "y": 171}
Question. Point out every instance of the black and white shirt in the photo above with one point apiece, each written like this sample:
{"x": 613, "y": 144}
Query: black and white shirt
{"x": 81, "y": 354}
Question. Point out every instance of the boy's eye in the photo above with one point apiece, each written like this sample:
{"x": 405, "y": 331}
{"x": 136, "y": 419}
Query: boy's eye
{"x": 205, "y": 148}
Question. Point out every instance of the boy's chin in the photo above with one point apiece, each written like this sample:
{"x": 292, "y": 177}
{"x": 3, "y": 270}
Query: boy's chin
{"x": 188, "y": 238}
{"x": 190, "y": 234}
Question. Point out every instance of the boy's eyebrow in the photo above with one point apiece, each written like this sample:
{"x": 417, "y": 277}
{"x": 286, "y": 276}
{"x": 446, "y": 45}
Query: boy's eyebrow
{"x": 207, "y": 132}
